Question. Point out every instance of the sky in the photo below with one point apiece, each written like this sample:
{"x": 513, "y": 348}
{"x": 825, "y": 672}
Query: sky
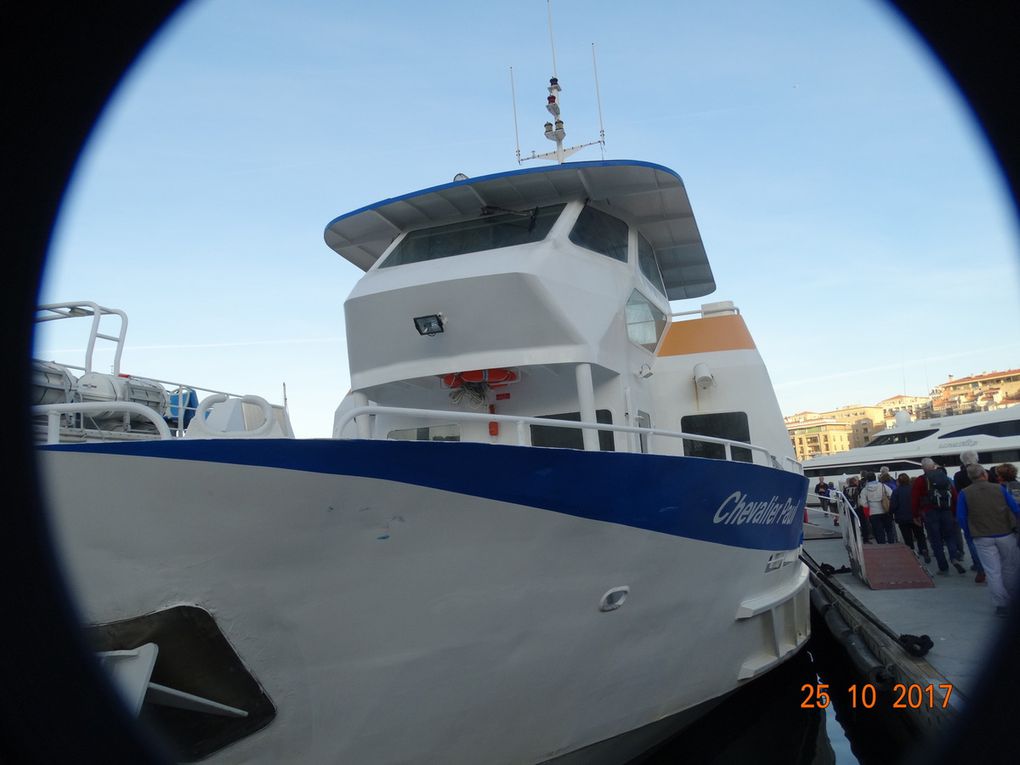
{"x": 848, "y": 201}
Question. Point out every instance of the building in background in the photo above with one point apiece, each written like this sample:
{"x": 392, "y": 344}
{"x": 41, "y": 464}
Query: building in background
{"x": 834, "y": 431}
{"x": 814, "y": 433}
{"x": 977, "y": 393}
{"x": 918, "y": 407}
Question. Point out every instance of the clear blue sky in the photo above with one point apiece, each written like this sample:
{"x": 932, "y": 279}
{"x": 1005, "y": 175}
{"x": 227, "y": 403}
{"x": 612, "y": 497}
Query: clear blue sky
{"x": 847, "y": 199}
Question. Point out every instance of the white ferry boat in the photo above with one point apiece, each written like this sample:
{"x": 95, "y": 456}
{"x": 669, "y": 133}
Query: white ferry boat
{"x": 994, "y": 435}
{"x": 556, "y": 522}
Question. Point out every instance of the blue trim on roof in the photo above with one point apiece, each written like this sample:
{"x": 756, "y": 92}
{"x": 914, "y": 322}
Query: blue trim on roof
{"x": 730, "y": 503}
{"x": 507, "y": 174}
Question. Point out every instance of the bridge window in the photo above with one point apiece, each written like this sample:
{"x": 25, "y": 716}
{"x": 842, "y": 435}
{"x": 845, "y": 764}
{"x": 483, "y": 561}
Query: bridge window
{"x": 488, "y": 232}
{"x": 648, "y": 265}
{"x": 895, "y": 437}
{"x": 598, "y": 231}
{"x": 645, "y": 322}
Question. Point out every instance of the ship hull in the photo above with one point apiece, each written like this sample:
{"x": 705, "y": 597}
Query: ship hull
{"x": 446, "y": 602}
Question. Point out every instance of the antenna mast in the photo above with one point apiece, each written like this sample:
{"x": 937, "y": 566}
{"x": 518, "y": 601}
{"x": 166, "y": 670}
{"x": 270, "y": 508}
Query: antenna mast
{"x": 513, "y": 96}
{"x": 552, "y": 45}
{"x": 554, "y": 130}
{"x": 598, "y": 100}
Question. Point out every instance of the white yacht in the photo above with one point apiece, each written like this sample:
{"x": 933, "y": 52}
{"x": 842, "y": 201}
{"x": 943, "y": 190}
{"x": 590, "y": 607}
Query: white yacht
{"x": 994, "y": 435}
{"x": 557, "y": 521}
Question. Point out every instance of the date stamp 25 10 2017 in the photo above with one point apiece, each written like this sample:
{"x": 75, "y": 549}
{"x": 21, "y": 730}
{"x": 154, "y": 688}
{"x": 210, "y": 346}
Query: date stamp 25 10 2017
{"x": 912, "y": 696}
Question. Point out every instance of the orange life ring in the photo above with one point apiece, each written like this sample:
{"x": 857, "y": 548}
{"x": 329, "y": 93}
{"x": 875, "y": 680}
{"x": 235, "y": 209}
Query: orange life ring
{"x": 495, "y": 378}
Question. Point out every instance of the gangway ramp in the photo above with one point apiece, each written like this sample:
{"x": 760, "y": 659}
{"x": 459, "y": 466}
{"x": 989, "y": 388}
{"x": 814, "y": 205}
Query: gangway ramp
{"x": 894, "y": 567}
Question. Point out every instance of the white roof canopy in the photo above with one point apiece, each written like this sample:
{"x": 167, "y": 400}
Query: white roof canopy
{"x": 650, "y": 197}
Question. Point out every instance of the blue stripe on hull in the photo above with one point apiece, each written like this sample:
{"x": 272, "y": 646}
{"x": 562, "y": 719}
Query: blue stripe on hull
{"x": 731, "y": 503}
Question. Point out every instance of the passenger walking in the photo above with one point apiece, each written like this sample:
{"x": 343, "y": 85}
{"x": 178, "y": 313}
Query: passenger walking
{"x": 876, "y": 497}
{"x": 932, "y": 498}
{"x": 911, "y": 528}
{"x": 822, "y": 490}
{"x": 852, "y": 492}
{"x": 961, "y": 481}
{"x": 988, "y": 514}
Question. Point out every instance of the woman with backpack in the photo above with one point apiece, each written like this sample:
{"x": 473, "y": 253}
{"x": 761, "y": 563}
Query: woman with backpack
{"x": 911, "y": 528}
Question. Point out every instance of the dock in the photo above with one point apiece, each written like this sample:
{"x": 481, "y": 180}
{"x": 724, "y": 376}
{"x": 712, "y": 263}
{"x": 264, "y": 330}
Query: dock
{"x": 954, "y": 611}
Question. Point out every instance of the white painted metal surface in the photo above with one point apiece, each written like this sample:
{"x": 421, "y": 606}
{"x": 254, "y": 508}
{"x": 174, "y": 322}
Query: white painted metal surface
{"x": 393, "y": 623}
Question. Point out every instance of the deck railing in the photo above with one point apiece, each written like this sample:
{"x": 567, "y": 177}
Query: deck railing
{"x": 54, "y": 412}
{"x": 364, "y": 419}
{"x": 853, "y": 538}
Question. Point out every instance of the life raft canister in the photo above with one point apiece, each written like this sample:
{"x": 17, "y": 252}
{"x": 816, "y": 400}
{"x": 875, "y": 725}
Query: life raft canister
{"x": 495, "y": 378}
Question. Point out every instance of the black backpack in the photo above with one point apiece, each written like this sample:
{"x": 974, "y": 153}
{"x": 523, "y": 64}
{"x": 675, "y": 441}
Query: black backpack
{"x": 940, "y": 492}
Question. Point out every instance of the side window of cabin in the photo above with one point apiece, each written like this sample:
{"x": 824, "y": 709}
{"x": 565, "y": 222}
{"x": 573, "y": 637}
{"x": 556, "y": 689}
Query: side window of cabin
{"x": 729, "y": 425}
{"x": 645, "y": 322}
{"x": 598, "y": 231}
{"x": 644, "y": 420}
{"x": 487, "y": 232}
{"x": 1000, "y": 429}
{"x": 431, "y": 433}
{"x": 572, "y": 438}
{"x": 648, "y": 265}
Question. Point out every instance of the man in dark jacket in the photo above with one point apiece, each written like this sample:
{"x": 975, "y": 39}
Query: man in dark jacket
{"x": 988, "y": 514}
{"x": 933, "y": 498}
{"x": 822, "y": 491}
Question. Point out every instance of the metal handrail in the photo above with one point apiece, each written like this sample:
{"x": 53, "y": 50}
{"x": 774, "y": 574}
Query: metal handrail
{"x": 82, "y": 308}
{"x": 853, "y": 539}
{"x": 366, "y": 425}
{"x": 54, "y": 411}
{"x": 730, "y": 310}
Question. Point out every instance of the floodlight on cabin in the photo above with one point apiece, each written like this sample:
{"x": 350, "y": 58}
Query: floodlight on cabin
{"x": 429, "y": 325}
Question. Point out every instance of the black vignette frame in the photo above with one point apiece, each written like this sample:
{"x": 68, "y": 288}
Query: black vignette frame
{"x": 62, "y": 62}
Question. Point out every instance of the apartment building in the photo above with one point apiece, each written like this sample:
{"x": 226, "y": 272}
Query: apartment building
{"x": 976, "y": 393}
{"x": 816, "y": 435}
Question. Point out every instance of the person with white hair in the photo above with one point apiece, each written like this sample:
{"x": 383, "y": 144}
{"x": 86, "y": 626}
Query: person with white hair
{"x": 886, "y": 478}
{"x": 961, "y": 480}
{"x": 933, "y": 499}
{"x": 989, "y": 515}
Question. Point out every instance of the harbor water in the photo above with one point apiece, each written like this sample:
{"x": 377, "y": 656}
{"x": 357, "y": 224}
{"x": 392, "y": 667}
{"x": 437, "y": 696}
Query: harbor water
{"x": 779, "y": 719}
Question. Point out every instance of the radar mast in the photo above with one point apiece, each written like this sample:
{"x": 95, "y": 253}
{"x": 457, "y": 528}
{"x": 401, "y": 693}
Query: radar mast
{"x": 554, "y": 129}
